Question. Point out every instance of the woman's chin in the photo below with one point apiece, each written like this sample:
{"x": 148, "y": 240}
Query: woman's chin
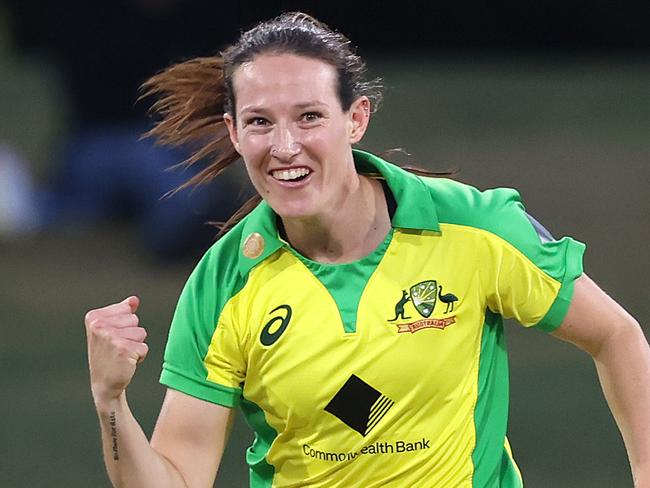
{"x": 294, "y": 212}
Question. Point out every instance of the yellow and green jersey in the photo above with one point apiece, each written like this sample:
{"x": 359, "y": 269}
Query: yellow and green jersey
{"x": 390, "y": 371}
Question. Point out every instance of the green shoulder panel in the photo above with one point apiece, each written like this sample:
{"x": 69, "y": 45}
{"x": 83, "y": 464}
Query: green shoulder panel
{"x": 498, "y": 211}
{"x": 215, "y": 279}
{"x": 501, "y": 212}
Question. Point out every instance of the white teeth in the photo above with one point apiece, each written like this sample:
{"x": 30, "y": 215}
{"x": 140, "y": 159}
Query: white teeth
{"x": 289, "y": 174}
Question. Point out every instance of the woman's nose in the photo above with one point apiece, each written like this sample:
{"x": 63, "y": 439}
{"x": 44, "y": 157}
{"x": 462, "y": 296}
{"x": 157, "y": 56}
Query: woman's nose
{"x": 285, "y": 145}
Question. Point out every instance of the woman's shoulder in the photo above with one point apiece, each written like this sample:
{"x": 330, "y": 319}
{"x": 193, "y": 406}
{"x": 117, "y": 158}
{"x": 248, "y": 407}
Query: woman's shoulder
{"x": 232, "y": 257}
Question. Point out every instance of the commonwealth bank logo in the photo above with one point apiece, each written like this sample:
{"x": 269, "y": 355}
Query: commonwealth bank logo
{"x": 359, "y": 405}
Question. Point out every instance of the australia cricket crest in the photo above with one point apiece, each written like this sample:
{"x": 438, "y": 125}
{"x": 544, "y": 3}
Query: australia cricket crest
{"x": 424, "y": 296}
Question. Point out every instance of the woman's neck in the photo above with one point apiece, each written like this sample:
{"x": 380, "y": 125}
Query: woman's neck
{"x": 349, "y": 232}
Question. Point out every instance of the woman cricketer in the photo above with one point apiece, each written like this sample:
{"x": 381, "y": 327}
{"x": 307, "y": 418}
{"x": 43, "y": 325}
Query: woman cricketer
{"x": 354, "y": 314}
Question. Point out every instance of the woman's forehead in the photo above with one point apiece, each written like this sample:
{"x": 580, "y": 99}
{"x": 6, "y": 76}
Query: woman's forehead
{"x": 284, "y": 78}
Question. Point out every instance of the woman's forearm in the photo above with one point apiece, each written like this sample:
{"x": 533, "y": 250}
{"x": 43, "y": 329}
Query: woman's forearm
{"x": 129, "y": 458}
{"x": 623, "y": 364}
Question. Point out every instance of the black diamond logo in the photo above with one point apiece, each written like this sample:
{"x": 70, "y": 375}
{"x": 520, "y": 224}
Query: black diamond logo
{"x": 359, "y": 405}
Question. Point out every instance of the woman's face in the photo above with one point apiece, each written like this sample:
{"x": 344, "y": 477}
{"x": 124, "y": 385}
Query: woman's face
{"x": 293, "y": 134}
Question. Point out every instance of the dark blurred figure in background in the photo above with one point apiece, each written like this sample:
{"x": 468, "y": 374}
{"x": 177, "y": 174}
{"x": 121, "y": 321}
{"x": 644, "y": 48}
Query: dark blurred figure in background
{"x": 109, "y": 172}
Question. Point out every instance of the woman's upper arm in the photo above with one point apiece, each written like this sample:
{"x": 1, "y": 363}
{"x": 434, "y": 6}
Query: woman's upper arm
{"x": 593, "y": 317}
{"x": 192, "y": 434}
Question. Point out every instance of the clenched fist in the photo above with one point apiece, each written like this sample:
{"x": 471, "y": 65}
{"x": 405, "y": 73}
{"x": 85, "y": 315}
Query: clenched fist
{"x": 115, "y": 346}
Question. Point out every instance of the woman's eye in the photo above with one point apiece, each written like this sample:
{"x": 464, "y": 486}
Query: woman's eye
{"x": 311, "y": 116}
{"x": 257, "y": 121}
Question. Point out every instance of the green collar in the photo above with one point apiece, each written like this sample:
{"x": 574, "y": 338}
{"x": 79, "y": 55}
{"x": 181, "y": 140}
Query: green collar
{"x": 415, "y": 209}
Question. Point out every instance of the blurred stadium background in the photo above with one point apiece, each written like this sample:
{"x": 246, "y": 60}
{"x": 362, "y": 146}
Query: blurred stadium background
{"x": 550, "y": 98}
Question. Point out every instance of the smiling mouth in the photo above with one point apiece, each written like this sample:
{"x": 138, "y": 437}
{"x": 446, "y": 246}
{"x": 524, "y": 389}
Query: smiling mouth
{"x": 297, "y": 174}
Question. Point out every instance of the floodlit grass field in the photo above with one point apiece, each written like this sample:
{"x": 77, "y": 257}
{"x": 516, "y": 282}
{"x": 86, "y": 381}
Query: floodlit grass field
{"x": 572, "y": 136}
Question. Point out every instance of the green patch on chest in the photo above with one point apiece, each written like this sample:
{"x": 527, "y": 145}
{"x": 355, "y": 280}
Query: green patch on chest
{"x": 347, "y": 282}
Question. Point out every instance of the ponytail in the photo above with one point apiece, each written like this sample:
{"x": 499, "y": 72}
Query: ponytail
{"x": 191, "y": 99}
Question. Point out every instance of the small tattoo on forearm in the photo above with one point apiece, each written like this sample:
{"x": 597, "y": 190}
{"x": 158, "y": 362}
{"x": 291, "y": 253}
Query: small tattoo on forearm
{"x": 113, "y": 423}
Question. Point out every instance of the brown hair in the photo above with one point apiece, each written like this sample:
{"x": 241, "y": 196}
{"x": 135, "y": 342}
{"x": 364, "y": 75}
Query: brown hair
{"x": 193, "y": 96}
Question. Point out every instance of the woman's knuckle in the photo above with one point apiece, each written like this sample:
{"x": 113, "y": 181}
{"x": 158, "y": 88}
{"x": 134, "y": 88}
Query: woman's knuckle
{"x": 95, "y": 331}
{"x": 90, "y": 316}
{"x": 104, "y": 334}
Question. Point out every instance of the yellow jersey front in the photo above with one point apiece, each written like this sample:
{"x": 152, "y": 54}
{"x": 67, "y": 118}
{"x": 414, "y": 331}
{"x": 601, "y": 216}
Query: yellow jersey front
{"x": 387, "y": 372}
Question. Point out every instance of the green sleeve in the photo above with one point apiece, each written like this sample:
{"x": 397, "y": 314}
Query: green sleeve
{"x": 214, "y": 280}
{"x": 530, "y": 274}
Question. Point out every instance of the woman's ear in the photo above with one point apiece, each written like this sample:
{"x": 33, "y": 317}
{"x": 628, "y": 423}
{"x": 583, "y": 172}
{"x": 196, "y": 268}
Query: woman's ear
{"x": 359, "y": 118}
{"x": 232, "y": 130}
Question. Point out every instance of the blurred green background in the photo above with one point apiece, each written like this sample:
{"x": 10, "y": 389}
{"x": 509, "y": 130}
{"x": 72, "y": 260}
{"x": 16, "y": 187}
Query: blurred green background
{"x": 571, "y": 135}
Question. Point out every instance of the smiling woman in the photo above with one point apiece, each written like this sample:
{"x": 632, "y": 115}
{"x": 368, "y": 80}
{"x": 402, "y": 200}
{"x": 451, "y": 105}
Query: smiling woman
{"x": 321, "y": 313}
{"x": 294, "y": 136}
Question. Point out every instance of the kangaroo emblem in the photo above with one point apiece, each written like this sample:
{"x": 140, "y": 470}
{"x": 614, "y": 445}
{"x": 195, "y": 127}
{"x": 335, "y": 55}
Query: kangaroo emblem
{"x": 399, "y": 307}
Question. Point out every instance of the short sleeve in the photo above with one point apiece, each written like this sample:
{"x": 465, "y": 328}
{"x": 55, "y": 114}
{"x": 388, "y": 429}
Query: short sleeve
{"x": 202, "y": 357}
{"x": 532, "y": 274}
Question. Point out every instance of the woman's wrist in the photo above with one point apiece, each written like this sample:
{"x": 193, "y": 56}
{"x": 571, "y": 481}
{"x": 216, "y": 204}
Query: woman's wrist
{"x": 106, "y": 404}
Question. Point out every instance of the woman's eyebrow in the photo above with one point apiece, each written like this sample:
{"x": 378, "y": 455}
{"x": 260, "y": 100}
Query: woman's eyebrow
{"x": 252, "y": 108}
{"x": 299, "y": 106}
{"x": 313, "y": 103}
